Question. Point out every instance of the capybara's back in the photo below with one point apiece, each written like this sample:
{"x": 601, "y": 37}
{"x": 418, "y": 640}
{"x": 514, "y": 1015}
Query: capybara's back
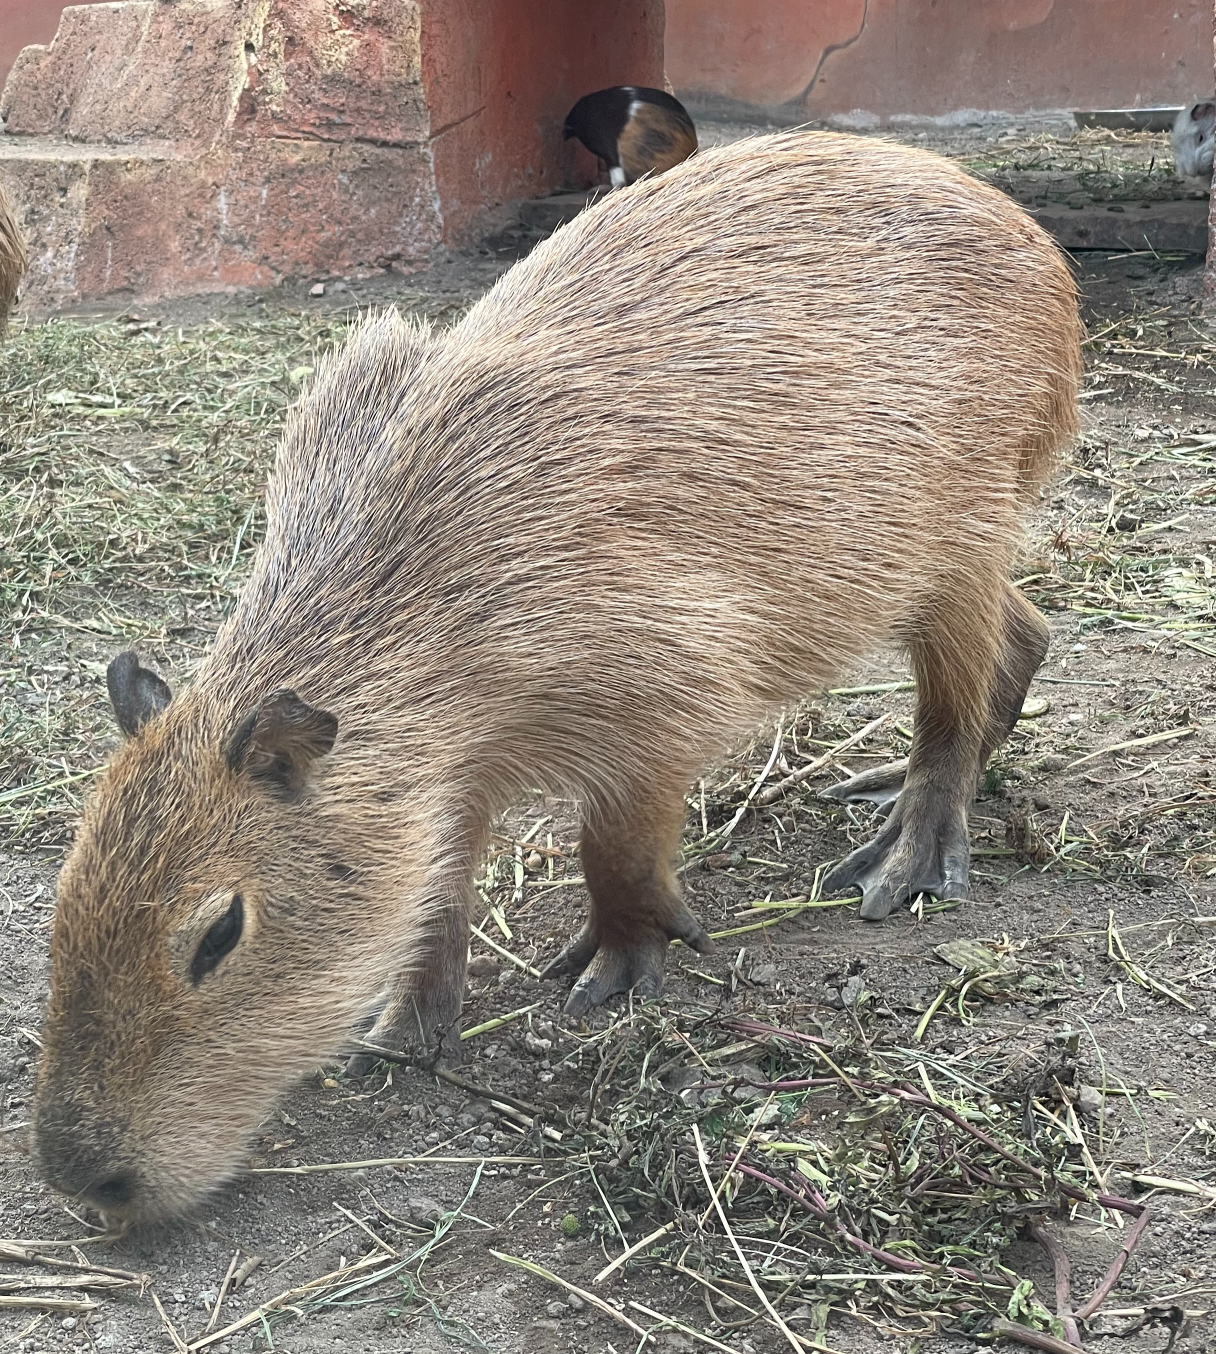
{"x": 712, "y": 442}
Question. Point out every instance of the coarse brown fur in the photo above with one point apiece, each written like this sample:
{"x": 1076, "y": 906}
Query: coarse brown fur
{"x": 13, "y": 262}
{"x": 700, "y": 452}
{"x": 654, "y": 139}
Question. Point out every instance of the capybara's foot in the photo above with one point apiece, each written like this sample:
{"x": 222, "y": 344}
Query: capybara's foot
{"x": 606, "y": 967}
{"x": 881, "y": 785}
{"x": 921, "y": 848}
{"x": 428, "y": 1031}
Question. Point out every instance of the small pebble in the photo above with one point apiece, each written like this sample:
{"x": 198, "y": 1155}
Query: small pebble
{"x": 422, "y": 1208}
{"x": 556, "y": 1309}
{"x": 68, "y": 1323}
{"x": 317, "y": 289}
{"x": 575, "y": 1303}
{"x": 1089, "y": 1100}
{"x": 853, "y": 990}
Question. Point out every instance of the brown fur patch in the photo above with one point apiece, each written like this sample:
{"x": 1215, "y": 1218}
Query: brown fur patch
{"x": 13, "y": 261}
{"x": 653, "y": 140}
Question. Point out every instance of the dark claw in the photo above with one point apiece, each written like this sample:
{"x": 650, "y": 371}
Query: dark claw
{"x": 692, "y": 933}
{"x": 610, "y": 974}
{"x": 901, "y": 863}
{"x": 881, "y": 785}
{"x": 572, "y": 960}
{"x": 607, "y": 971}
{"x": 877, "y": 902}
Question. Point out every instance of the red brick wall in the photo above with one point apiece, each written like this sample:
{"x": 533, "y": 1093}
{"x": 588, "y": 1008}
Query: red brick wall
{"x": 934, "y": 57}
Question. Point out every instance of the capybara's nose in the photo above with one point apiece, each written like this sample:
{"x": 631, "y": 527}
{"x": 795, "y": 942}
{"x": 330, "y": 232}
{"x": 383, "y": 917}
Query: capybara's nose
{"x": 99, "y": 1183}
{"x": 114, "y": 1191}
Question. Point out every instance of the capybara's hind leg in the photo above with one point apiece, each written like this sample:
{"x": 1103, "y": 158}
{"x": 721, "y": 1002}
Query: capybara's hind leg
{"x": 1024, "y": 646}
{"x": 636, "y": 910}
{"x": 422, "y": 1014}
{"x": 923, "y": 845}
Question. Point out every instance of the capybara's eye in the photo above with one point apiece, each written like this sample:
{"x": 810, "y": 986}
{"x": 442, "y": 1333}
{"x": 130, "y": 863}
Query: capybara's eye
{"x": 220, "y": 940}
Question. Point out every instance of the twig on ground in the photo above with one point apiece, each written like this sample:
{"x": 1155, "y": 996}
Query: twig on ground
{"x": 34, "y": 1302}
{"x": 1063, "y": 1277}
{"x": 178, "y": 1343}
{"x": 23, "y": 1255}
{"x": 721, "y": 834}
{"x": 223, "y": 1293}
{"x": 537, "y": 1111}
{"x": 24, "y": 1283}
{"x": 779, "y": 788}
{"x": 1111, "y": 1277}
{"x": 322, "y": 1167}
{"x": 646, "y": 1241}
{"x": 592, "y": 1299}
{"x": 1036, "y": 1339}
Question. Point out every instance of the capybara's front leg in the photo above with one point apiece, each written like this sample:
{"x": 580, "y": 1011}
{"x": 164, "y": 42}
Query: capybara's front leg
{"x": 422, "y": 1014}
{"x": 636, "y": 910}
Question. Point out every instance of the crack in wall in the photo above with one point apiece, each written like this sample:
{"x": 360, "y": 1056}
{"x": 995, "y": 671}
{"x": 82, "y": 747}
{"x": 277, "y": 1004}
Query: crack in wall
{"x": 832, "y": 50}
{"x": 316, "y": 139}
{"x": 447, "y": 126}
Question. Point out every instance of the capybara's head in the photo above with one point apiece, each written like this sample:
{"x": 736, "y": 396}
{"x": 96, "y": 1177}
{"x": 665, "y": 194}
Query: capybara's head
{"x": 209, "y": 947}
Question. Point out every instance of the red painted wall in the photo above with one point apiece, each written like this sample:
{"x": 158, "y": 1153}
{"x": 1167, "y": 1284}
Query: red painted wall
{"x": 500, "y": 79}
{"x": 934, "y": 57}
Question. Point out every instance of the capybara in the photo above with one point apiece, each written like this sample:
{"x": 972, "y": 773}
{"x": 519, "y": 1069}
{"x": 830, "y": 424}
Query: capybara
{"x": 697, "y": 454}
{"x": 1193, "y": 139}
{"x": 634, "y": 130}
{"x": 13, "y": 262}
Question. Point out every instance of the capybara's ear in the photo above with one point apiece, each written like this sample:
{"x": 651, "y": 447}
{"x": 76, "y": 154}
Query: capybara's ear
{"x": 137, "y": 694}
{"x": 278, "y": 742}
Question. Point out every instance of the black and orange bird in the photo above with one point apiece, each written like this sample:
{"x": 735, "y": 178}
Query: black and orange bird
{"x": 633, "y": 130}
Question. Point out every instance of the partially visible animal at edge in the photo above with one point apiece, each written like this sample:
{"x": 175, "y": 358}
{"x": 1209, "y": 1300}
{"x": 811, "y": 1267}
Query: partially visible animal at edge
{"x": 13, "y": 262}
{"x": 633, "y": 130}
{"x": 842, "y": 372}
{"x": 1193, "y": 138}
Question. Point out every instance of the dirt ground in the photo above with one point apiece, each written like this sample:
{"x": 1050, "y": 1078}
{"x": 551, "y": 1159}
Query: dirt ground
{"x": 132, "y": 449}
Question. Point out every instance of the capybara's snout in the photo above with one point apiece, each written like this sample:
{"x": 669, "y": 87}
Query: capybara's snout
{"x": 81, "y": 1155}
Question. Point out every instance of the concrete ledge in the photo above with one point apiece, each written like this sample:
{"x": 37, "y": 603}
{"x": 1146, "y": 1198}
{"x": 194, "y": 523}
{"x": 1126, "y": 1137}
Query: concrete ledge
{"x": 1164, "y": 227}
